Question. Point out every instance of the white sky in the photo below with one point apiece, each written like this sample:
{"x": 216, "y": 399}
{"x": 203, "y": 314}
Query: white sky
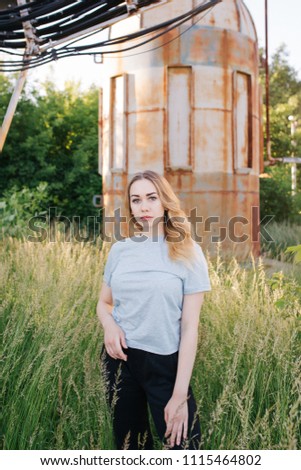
{"x": 284, "y": 27}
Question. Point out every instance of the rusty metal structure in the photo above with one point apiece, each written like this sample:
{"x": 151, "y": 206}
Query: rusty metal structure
{"x": 188, "y": 105}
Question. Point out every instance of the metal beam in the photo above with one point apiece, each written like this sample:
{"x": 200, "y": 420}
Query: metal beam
{"x": 12, "y": 108}
{"x": 30, "y": 39}
{"x": 289, "y": 160}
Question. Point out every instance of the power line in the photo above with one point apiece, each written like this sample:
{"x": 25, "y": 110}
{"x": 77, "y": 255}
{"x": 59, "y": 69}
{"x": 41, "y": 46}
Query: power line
{"x": 68, "y": 51}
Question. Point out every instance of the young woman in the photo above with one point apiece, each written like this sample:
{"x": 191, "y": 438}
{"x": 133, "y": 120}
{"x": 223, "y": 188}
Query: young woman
{"x": 149, "y": 307}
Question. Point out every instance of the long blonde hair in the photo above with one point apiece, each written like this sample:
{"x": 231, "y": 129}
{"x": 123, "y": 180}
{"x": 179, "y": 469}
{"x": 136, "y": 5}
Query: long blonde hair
{"x": 177, "y": 228}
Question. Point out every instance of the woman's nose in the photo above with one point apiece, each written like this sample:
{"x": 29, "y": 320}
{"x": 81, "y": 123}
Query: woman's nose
{"x": 144, "y": 205}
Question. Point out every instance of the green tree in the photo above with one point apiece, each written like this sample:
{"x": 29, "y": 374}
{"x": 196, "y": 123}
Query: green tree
{"x": 53, "y": 139}
{"x": 285, "y": 101}
{"x": 284, "y": 81}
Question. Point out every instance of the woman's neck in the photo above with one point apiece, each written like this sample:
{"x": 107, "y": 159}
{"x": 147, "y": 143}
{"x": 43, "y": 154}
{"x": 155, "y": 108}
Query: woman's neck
{"x": 153, "y": 232}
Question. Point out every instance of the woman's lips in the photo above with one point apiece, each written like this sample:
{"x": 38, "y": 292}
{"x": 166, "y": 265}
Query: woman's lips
{"x": 146, "y": 217}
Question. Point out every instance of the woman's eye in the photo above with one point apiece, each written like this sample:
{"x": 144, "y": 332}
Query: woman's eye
{"x": 135, "y": 200}
{"x": 153, "y": 198}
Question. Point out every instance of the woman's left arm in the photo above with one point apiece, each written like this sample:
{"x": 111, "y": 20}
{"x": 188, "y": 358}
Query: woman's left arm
{"x": 176, "y": 410}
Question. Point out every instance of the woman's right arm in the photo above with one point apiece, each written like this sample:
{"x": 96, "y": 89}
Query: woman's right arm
{"x": 114, "y": 337}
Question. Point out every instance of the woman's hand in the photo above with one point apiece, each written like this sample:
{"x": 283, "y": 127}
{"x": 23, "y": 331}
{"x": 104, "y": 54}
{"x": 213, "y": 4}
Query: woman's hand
{"x": 114, "y": 339}
{"x": 176, "y": 418}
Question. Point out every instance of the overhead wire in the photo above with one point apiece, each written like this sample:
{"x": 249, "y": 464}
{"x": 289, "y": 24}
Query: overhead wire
{"x": 74, "y": 10}
{"x": 62, "y": 23}
{"x": 165, "y": 43}
{"x": 67, "y": 51}
{"x": 142, "y": 52}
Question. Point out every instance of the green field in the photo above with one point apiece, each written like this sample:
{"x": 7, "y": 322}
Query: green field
{"x": 247, "y": 376}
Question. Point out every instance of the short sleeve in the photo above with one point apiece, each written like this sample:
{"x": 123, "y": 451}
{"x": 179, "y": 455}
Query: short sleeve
{"x": 196, "y": 277}
{"x": 109, "y": 267}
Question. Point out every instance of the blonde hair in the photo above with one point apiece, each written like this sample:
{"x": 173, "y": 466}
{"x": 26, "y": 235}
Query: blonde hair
{"x": 177, "y": 228}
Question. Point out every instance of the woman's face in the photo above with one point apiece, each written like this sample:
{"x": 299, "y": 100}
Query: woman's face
{"x": 145, "y": 203}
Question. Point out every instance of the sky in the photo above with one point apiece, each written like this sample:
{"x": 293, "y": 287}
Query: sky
{"x": 284, "y": 27}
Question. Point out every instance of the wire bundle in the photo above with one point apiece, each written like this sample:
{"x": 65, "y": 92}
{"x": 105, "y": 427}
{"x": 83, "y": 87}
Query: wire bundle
{"x": 55, "y": 20}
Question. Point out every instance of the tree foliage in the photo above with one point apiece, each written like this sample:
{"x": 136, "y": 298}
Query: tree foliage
{"x": 53, "y": 140}
{"x": 285, "y": 100}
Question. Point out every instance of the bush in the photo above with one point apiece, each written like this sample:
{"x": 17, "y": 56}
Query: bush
{"x": 18, "y": 206}
{"x": 276, "y": 197}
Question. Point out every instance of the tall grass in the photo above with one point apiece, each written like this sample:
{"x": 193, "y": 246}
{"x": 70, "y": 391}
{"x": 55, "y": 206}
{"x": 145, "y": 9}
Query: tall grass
{"x": 248, "y": 372}
{"x": 51, "y": 391}
{"x": 283, "y": 235}
{"x": 246, "y": 378}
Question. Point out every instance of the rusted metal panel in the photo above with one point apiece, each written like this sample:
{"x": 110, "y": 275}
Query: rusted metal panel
{"x": 179, "y": 117}
{"x": 146, "y": 141}
{"x": 165, "y": 11}
{"x": 225, "y": 16}
{"x": 211, "y": 151}
{"x": 217, "y": 48}
{"x": 213, "y": 88}
{"x": 242, "y": 125}
{"x": 256, "y": 149}
{"x": 146, "y": 98}
{"x": 118, "y": 122}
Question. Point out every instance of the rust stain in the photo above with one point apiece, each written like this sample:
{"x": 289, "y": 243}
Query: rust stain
{"x": 143, "y": 111}
{"x": 225, "y": 97}
{"x": 170, "y": 54}
{"x": 238, "y": 18}
{"x": 165, "y": 120}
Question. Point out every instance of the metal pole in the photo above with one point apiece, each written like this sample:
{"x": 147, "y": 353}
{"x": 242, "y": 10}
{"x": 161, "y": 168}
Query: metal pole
{"x": 12, "y": 108}
{"x": 18, "y": 88}
{"x": 267, "y": 84}
{"x": 294, "y": 164}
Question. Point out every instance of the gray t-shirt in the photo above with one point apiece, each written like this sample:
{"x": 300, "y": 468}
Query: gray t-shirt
{"x": 148, "y": 291}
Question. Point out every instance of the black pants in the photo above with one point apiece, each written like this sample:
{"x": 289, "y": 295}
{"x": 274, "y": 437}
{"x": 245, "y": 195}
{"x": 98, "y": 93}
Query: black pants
{"x": 144, "y": 379}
